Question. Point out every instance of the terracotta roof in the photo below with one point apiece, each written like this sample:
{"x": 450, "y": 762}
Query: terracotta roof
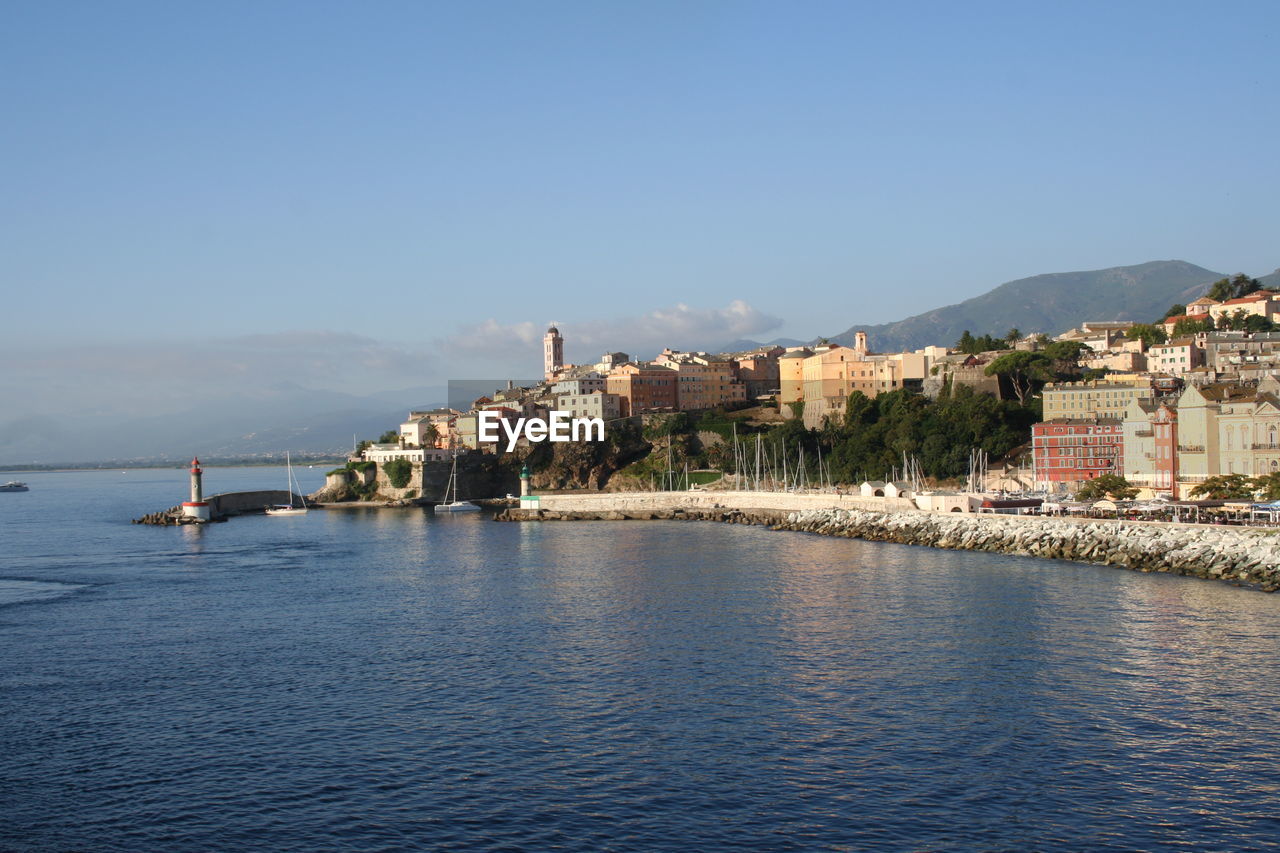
{"x": 1256, "y": 296}
{"x": 1225, "y": 392}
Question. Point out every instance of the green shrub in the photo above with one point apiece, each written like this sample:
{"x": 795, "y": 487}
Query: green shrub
{"x": 399, "y": 472}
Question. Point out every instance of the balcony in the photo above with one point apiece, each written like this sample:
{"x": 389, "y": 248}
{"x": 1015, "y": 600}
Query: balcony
{"x": 1144, "y": 433}
{"x": 1191, "y": 448}
{"x": 1266, "y": 447}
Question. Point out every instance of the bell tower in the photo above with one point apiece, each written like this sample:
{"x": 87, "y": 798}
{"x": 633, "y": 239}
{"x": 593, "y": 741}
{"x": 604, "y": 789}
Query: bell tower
{"x": 552, "y": 352}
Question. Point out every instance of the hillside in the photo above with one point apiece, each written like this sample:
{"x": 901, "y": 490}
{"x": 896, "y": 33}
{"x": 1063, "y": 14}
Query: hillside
{"x": 1050, "y": 303}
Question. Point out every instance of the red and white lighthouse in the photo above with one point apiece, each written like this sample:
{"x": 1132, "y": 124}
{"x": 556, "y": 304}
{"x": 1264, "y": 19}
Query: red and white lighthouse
{"x": 197, "y": 507}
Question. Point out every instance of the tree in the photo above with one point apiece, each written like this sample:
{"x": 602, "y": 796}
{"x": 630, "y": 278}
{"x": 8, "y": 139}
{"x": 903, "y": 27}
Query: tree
{"x": 1233, "y": 288}
{"x": 1013, "y": 335}
{"x": 1190, "y": 326}
{"x": 970, "y": 345}
{"x": 430, "y": 433}
{"x": 1107, "y": 486}
{"x": 1022, "y": 370}
{"x": 1242, "y": 321}
{"x": 1149, "y": 333}
{"x": 391, "y": 436}
{"x": 1064, "y": 359}
{"x": 1268, "y": 485}
{"x": 1225, "y": 487}
{"x": 1177, "y": 309}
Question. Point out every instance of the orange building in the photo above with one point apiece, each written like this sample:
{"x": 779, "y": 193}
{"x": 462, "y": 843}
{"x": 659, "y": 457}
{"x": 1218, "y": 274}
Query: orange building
{"x": 705, "y": 384}
{"x": 643, "y": 388}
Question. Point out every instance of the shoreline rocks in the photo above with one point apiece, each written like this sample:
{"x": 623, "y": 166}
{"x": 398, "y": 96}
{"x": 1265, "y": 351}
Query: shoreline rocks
{"x": 1239, "y": 555}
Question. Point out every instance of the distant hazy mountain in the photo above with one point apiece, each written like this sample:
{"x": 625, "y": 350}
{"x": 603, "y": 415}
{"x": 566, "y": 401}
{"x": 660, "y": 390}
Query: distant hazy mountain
{"x": 744, "y": 344}
{"x": 290, "y": 418}
{"x": 1270, "y": 281}
{"x": 1049, "y": 303}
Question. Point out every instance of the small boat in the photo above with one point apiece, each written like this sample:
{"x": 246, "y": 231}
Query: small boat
{"x": 454, "y": 505}
{"x": 289, "y": 509}
{"x": 14, "y": 486}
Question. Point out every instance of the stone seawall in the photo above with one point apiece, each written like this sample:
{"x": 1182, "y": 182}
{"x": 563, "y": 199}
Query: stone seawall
{"x": 1243, "y": 555}
{"x": 1240, "y": 555}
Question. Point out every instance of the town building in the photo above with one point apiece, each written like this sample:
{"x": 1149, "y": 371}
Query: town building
{"x": 586, "y": 384}
{"x": 1150, "y": 455}
{"x": 1091, "y": 400}
{"x": 643, "y": 388}
{"x": 1175, "y": 357}
{"x": 1068, "y": 452}
{"x": 610, "y": 360}
{"x": 429, "y": 428}
{"x": 706, "y": 383}
{"x": 384, "y": 453}
{"x": 595, "y": 404}
{"x": 758, "y": 370}
{"x": 1261, "y": 303}
{"x": 791, "y": 379}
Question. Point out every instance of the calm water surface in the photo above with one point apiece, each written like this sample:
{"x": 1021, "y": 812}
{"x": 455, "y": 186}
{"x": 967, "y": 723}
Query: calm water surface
{"x": 387, "y": 680}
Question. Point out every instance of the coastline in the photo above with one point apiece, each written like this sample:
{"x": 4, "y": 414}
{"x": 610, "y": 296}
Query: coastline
{"x": 1240, "y": 555}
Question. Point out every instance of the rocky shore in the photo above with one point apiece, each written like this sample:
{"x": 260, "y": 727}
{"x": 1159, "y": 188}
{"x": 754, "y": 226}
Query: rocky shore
{"x": 1247, "y": 556}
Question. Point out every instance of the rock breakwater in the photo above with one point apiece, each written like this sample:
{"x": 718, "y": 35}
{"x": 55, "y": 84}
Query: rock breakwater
{"x": 1240, "y": 555}
{"x": 723, "y": 515}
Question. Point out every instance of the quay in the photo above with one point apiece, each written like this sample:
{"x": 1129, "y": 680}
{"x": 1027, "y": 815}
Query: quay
{"x": 1246, "y": 556}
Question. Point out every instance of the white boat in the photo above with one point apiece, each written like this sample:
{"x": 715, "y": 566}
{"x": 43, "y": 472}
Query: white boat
{"x": 289, "y": 509}
{"x": 454, "y": 505}
{"x": 14, "y": 486}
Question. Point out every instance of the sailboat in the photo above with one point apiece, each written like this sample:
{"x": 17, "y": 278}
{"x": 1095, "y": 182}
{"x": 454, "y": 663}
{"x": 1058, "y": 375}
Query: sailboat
{"x": 454, "y": 505}
{"x": 290, "y": 509}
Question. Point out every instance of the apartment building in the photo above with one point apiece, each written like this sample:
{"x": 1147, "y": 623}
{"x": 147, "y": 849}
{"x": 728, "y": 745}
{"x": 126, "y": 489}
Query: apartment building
{"x": 1092, "y": 400}
{"x": 1068, "y": 452}
{"x": 643, "y": 388}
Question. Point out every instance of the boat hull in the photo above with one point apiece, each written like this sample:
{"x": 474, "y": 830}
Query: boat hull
{"x": 456, "y": 506}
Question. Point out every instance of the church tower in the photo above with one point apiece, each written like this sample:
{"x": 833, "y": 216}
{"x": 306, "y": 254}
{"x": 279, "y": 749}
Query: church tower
{"x": 552, "y": 352}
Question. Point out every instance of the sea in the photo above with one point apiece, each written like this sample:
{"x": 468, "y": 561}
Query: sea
{"x": 388, "y": 680}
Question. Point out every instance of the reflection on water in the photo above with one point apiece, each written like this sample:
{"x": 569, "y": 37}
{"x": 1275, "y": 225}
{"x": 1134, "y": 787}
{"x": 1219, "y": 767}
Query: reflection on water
{"x": 392, "y": 680}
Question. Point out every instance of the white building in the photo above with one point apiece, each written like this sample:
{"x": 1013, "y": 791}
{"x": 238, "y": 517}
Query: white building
{"x": 382, "y": 453}
{"x": 598, "y": 404}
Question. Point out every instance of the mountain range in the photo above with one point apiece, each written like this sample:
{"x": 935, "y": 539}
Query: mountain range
{"x": 323, "y": 421}
{"x": 1051, "y": 303}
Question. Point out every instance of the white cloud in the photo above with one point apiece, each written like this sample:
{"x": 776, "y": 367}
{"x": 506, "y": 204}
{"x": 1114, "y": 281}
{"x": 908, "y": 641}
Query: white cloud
{"x": 679, "y": 326}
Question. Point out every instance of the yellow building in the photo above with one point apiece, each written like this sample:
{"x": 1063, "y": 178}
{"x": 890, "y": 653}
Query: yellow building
{"x": 1092, "y": 400}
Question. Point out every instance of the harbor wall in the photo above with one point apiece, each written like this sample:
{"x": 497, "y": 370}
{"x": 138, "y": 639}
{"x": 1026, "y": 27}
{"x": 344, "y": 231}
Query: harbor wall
{"x": 1242, "y": 555}
{"x": 235, "y": 503}
{"x": 666, "y": 501}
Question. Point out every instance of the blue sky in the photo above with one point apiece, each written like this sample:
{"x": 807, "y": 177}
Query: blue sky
{"x": 427, "y": 181}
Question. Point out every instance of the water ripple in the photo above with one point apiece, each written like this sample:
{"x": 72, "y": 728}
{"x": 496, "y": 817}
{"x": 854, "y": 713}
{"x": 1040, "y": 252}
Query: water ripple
{"x": 387, "y": 682}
